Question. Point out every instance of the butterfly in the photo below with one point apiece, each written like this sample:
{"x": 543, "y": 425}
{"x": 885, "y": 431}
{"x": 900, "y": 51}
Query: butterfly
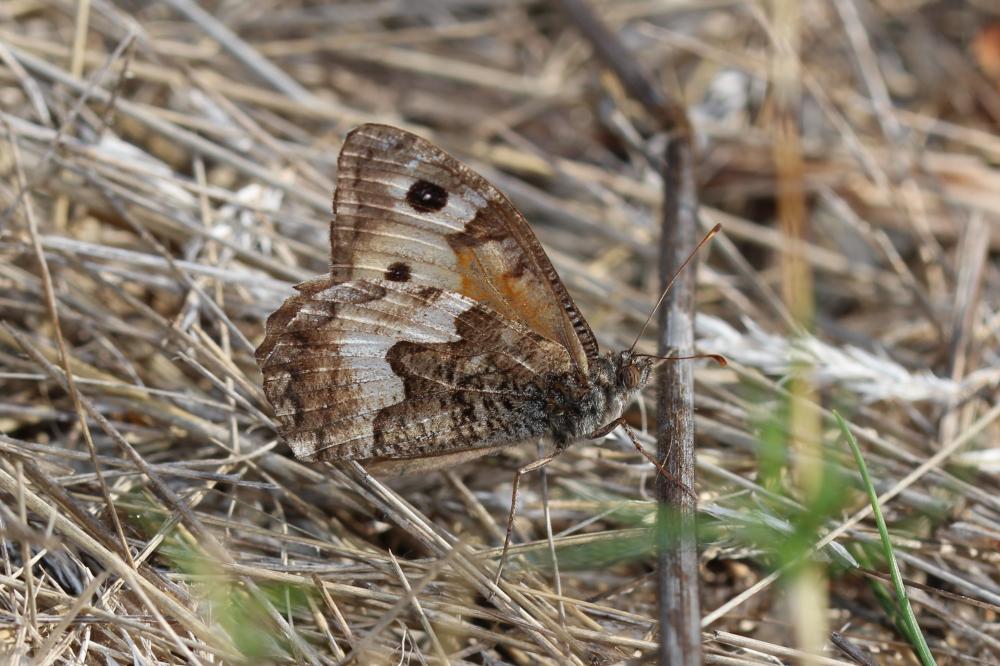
{"x": 441, "y": 333}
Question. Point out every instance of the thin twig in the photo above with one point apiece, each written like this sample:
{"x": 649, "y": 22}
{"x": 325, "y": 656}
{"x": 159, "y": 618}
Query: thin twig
{"x": 64, "y": 358}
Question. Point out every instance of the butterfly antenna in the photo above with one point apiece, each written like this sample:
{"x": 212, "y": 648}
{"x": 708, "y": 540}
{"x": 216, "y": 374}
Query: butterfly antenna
{"x": 718, "y": 358}
{"x": 716, "y": 229}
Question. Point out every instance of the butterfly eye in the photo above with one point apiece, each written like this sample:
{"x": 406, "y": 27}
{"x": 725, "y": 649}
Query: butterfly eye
{"x": 631, "y": 376}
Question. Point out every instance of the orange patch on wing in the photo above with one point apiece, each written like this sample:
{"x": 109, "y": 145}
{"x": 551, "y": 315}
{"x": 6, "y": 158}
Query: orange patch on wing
{"x": 512, "y": 287}
{"x": 465, "y": 260}
{"x": 507, "y": 293}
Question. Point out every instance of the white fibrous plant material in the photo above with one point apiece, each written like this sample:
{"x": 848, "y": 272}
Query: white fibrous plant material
{"x": 123, "y": 152}
{"x": 240, "y": 222}
{"x": 726, "y": 101}
{"x": 206, "y": 107}
{"x": 984, "y": 460}
{"x": 868, "y": 375}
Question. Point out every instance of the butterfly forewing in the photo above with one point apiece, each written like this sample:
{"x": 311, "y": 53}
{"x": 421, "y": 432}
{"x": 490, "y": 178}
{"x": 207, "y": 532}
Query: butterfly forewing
{"x": 406, "y": 211}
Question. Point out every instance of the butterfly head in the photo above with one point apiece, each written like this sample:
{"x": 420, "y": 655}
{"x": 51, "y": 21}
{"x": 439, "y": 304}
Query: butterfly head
{"x": 632, "y": 370}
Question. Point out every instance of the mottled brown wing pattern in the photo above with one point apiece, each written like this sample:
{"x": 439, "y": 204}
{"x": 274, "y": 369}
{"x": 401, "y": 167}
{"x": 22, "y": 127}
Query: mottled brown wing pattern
{"x": 407, "y": 212}
{"x": 376, "y": 369}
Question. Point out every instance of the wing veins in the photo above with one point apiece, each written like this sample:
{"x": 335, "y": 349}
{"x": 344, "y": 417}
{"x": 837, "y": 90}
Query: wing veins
{"x": 384, "y": 234}
{"x": 402, "y": 213}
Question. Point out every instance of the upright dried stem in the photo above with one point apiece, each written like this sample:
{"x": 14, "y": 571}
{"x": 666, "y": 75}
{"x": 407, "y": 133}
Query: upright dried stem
{"x": 676, "y": 528}
{"x": 678, "y": 583}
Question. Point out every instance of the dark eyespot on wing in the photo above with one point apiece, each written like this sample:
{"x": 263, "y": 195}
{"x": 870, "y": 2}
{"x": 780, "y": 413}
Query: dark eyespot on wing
{"x": 398, "y": 272}
{"x": 426, "y": 197}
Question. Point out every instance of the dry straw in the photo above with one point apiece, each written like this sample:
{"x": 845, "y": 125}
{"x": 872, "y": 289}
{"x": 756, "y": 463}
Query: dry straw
{"x": 166, "y": 176}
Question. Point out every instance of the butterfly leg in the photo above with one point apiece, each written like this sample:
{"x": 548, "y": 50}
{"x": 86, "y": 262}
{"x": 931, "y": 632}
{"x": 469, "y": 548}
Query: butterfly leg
{"x": 620, "y": 421}
{"x": 538, "y": 464}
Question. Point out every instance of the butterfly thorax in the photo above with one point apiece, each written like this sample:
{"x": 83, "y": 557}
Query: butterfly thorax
{"x": 576, "y": 409}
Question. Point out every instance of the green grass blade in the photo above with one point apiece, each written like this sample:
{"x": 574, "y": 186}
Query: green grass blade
{"x": 909, "y": 619}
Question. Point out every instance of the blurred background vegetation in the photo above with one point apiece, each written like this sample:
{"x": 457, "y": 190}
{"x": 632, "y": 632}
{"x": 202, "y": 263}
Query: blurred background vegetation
{"x": 167, "y": 171}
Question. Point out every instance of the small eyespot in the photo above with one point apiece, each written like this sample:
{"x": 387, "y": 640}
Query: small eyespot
{"x": 426, "y": 197}
{"x": 398, "y": 272}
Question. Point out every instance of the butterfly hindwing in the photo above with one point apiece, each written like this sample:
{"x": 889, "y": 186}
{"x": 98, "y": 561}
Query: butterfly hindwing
{"x": 377, "y": 369}
{"x": 407, "y": 212}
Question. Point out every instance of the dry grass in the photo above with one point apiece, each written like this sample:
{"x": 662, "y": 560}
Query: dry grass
{"x": 166, "y": 180}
